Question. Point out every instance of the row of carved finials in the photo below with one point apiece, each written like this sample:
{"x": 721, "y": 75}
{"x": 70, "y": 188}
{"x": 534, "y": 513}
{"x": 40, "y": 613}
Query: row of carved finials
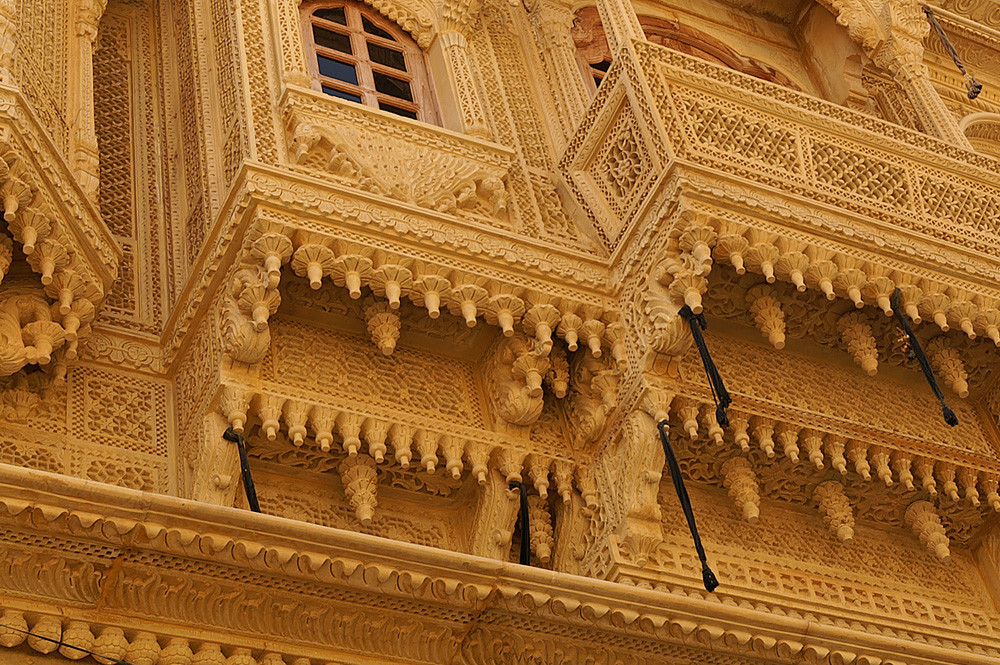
{"x": 253, "y": 292}
{"x": 111, "y": 644}
{"x": 31, "y": 330}
{"x": 370, "y": 440}
{"x": 844, "y": 455}
{"x": 705, "y": 239}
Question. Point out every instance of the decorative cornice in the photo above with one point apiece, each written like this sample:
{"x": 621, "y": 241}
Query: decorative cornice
{"x": 553, "y": 606}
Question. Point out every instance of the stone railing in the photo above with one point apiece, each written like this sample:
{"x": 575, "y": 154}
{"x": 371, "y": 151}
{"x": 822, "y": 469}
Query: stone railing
{"x": 689, "y": 113}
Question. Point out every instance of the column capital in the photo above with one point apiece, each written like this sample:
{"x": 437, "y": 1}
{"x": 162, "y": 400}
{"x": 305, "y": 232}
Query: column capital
{"x": 88, "y": 17}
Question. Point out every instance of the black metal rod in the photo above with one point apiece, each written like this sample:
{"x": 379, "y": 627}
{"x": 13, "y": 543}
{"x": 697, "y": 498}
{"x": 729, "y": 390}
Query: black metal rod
{"x": 233, "y": 436}
{"x": 925, "y": 364}
{"x": 525, "y": 524}
{"x": 708, "y": 577}
{"x": 719, "y": 393}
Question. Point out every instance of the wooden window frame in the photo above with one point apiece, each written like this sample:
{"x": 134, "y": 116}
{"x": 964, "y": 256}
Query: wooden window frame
{"x": 592, "y": 47}
{"x": 417, "y": 73}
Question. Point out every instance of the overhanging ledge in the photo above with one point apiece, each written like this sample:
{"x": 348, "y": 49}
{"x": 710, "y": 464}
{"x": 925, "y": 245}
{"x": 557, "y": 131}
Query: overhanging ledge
{"x": 200, "y": 572}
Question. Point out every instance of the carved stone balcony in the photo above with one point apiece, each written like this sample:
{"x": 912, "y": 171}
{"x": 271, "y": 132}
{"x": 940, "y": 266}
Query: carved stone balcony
{"x": 667, "y": 125}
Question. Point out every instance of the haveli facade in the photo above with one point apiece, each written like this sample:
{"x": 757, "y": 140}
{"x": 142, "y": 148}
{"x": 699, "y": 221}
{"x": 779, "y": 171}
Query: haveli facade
{"x": 415, "y": 250}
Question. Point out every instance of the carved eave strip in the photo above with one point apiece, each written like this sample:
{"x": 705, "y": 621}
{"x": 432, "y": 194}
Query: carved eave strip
{"x": 311, "y": 204}
{"x": 438, "y": 581}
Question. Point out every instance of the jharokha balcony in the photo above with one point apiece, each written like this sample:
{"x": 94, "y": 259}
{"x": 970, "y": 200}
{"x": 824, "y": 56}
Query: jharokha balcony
{"x": 666, "y": 125}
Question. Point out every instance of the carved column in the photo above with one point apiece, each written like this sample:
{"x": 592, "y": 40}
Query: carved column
{"x": 83, "y": 152}
{"x": 8, "y": 42}
{"x": 552, "y": 23}
{"x": 293, "y": 62}
{"x": 621, "y": 24}
{"x": 892, "y": 33}
{"x": 915, "y": 80}
{"x": 450, "y": 52}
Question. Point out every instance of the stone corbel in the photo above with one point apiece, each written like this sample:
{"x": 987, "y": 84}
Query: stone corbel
{"x": 249, "y": 303}
{"x": 495, "y": 516}
{"x": 517, "y": 369}
{"x": 594, "y": 395}
{"x": 640, "y": 452}
{"x": 28, "y": 335}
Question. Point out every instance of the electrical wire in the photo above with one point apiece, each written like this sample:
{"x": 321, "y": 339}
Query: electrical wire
{"x": 707, "y": 576}
{"x": 99, "y": 657}
{"x": 971, "y": 84}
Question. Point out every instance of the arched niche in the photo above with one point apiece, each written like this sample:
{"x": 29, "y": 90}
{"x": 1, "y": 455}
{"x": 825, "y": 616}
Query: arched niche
{"x": 983, "y": 132}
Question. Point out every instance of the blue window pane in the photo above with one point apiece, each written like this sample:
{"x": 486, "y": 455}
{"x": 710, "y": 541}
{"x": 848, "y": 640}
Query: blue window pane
{"x": 337, "y": 70}
{"x": 373, "y": 29}
{"x": 340, "y": 93}
{"x": 331, "y": 39}
{"x": 388, "y": 85}
{"x": 398, "y": 111}
{"x": 336, "y": 14}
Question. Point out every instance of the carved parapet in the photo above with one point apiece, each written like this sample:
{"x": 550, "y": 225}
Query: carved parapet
{"x": 463, "y": 176}
{"x": 807, "y": 161}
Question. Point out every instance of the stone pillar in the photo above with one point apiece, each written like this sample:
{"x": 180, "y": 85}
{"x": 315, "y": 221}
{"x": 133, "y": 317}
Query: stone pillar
{"x": 463, "y": 105}
{"x": 8, "y": 42}
{"x": 621, "y": 24}
{"x": 892, "y": 34}
{"x": 934, "y": 115}
{"x": 83, "y": 151}
{"x": 552, "y": 23}
{"x": 294, "y": 69}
